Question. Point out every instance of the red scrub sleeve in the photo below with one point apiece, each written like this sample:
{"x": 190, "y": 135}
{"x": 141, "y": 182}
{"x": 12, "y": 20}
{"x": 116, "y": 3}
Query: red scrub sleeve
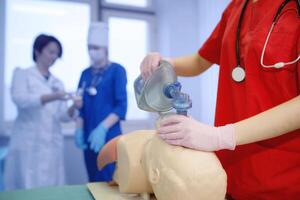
{"x": 211, "y": 49}
{"x": 298, "y": 63}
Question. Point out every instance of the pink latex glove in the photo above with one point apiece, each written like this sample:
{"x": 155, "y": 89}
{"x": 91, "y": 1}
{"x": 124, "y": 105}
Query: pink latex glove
{"x": 185, "y": 131}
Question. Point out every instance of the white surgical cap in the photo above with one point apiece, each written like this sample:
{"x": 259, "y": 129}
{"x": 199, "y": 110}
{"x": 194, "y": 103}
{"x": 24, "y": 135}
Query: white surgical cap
{"x": 98, "y": 34}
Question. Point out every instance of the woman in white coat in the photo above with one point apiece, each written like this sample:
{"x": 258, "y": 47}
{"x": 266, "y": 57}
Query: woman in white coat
{"x": 36, "y": 156}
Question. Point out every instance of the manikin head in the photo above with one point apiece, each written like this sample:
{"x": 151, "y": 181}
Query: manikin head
{"x": 147, "y": 164}
{"x": 98, "y": 44}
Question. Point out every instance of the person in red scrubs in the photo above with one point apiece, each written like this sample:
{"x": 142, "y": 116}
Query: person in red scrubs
{"x": 256, "y": 134}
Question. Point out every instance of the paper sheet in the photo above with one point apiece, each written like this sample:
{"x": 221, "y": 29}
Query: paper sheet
{"x": 101, "y": 191}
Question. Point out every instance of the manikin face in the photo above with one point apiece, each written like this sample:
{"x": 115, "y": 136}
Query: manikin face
{"x": 130, "y": 174}
{"x": 48, "y": 55}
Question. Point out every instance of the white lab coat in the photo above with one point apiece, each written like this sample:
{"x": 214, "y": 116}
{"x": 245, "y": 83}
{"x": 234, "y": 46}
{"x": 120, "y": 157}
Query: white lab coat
{"x": 35, "y": 155}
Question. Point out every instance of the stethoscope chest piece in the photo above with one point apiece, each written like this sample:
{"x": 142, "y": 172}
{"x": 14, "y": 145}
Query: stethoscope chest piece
{"x": 92, "y": 91}
{"x": 238, "y": 74}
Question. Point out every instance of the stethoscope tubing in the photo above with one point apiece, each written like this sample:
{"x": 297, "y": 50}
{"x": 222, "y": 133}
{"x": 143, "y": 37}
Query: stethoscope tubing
{"x": 274, "y": 21}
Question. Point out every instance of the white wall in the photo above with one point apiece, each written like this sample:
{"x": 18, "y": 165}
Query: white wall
{"x": 182, "y": 27}
{"x": 177, "y": 28}
{"x": 209, "y": 14}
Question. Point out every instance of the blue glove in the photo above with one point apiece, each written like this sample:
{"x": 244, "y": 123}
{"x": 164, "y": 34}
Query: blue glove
{"x": 79, "y": 139}
{"x": 97, "y": 138}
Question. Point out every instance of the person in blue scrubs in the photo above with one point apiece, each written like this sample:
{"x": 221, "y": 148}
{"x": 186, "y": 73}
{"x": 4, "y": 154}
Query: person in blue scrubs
{"x": 103, "y": 89}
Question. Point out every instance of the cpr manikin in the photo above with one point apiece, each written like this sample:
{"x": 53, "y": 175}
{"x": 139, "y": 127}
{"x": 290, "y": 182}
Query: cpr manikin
{"x": 146, "y": 164}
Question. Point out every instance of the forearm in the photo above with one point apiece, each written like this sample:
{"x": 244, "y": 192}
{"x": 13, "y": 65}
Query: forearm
{"x": 110, "y": 120}
{"x": 25, "y": 100}
{"x": 277, "y": 121}
{"x": 49, "y": 98}
{"x": 191, "y": 65}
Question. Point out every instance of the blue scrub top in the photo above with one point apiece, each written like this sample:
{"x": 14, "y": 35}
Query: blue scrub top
{"x": 111, "y": 97}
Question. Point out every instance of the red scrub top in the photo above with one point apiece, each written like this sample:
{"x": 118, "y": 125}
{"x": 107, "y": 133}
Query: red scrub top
{"x": 267, "y": 170}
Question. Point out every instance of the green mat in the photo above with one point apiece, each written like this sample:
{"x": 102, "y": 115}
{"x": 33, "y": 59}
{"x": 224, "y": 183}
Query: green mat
{"x": 75, "y": 192}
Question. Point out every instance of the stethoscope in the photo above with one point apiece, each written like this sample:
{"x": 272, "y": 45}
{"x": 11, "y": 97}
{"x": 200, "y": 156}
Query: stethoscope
{"x": 238, "y": 73}
{"x": 92, "y": 88}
